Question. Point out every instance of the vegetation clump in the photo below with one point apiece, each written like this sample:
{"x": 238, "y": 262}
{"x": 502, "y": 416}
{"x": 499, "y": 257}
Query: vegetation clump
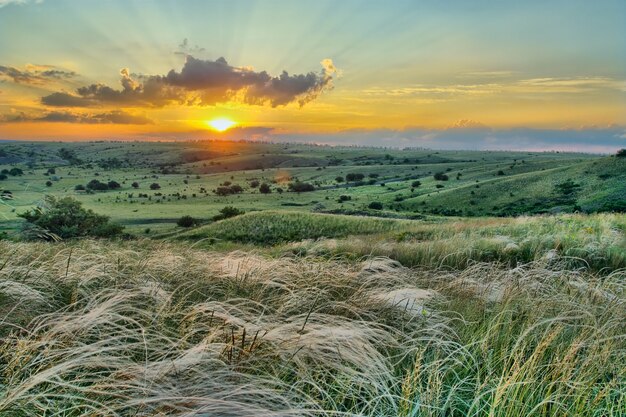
{"x": 66, "y": 218}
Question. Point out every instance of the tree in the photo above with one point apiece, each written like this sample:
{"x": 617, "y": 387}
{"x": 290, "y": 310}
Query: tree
{"x": 3, "y": 177}
{"x": 254, "y": 183}
{"x": 353, "y": 176}
{"x": 79, "y": 187}
{"x": 301, "y": 187}
{"x": 375, "y": 205}
{"x": 97, "y": 185}
{"x": 265, "y": 189}
{"x": 14, "y": 172}
{"x": 621, "y": 153}
{"x": 415, "y": 184}
{"x": 440, "y": 176}
{"x": 135, "y": 184}
{"x": 339, "y": 179}
{"x": 155, "y": 186}
{"x": 48, "y": 183}
{"x": 114, "y": 185}
{"x": 66, "y": 218}
{"x": 227, "y": 212}
{"x": 186, "y": 221}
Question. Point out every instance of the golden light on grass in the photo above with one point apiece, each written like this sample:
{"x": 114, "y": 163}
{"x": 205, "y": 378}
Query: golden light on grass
{"x": 220, "y": 124}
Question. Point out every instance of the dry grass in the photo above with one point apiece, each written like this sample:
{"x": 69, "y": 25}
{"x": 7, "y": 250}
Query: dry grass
{"x": 149, "y": 329}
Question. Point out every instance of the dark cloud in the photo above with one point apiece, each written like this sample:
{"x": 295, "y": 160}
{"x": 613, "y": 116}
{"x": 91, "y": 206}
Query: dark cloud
{"x": 65, "y": 100}
{"x": 202, "y": 82}
{"x": 112, "y": 117}
{"x": 34, "y": 74}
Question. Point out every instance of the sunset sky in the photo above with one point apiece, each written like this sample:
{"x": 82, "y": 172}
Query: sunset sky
{"x": 441, "y": 74}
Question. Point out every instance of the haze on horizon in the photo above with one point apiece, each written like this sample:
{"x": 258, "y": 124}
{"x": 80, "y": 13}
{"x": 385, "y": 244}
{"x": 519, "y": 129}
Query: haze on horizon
{"x": 536, "y": 75}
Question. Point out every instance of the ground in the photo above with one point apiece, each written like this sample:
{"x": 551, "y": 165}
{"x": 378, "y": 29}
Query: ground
{"x": 306, "y": 305}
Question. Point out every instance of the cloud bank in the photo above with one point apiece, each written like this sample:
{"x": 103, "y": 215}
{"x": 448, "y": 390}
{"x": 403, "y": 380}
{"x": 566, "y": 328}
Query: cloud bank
{"x": 34, "y": 74}
{"x": 111, "y": 117}
{"x": 204, "y": 83}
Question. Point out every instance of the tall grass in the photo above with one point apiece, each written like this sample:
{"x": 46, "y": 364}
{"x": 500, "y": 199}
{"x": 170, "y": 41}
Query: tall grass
{"x": 145, "y": 328}
{"x": 597, "y": 242}
{"x": 272, "y": 227}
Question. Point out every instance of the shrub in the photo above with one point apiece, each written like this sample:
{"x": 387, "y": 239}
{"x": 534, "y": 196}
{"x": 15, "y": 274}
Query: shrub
{"x": 354, "y": 177}
{"x": 339, "y": 179}
{"x": 186, "y": 221}
{"x": 155, "y": 186}
{"x": 440, "y": 176}
{"x": 415, "y": 184}
{"x": 113, "y": 185}
{"x": 254, "y": 184}
{"x": 343, "y": 198}
{"x": 375, "y": 205}
{"x": 66, "y": 218}
{"x": 3, "y": 177}
{"x": 265, "y": 189}
{"x": 48, "y": 183}
{"x": 97, "y": 185}
{"x": 15, "y": 172}
{"x": 135, "y": 184}
{"x": 621, "y": 153}
{"x": 79, "y": 187}
{"x": 300, "y": 187}
{"x": 228, "y": 212}
{"x": 500, "y": 173}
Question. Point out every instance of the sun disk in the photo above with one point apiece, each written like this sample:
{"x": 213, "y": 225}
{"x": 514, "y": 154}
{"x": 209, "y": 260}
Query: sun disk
{"x": 221, "y": 124}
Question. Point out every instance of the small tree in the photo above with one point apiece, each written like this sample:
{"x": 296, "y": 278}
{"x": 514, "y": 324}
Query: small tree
{"x": 15, "y": 172}
{"x": 254, "y": 184}
{"x": 186, "y": 221}
{"x": 155, "y": 186}
{"x": 375, "y": 205}
{"x": 301, "y": 187}
{"x": 227, "y": 212}
{"x": 97, "y": 185}
{"x": 265, "y": 189}
{"x": 113, "y": 185}
{"x": 415, "y": 184}
{"x": 48, "y": 183}
{"x": 339, "y": 179}
{"x": 621, "y": 153}
{"x": 135, "y": 184}
{"x": 440, "y": 176}
{"x": 66, "y": 218}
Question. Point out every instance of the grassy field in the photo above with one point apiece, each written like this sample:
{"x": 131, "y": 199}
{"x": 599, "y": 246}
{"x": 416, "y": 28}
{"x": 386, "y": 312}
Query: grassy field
{"x": 479, "y": 183}
{"x": 500, "y": 293}
{"x": 149, "y": 328}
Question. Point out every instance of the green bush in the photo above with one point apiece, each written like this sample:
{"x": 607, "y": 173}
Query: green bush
{"x": 301, "y": 187}
{"x": 228, "y": 212}
{"x": 375, "y": 205}
{"x": 187, "y": 221}
{"x": 66, "y": 218}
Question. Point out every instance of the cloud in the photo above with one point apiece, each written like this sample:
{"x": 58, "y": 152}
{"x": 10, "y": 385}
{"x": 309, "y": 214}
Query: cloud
{"x": 468, "y": 124}
{"x": 112, "y": 117}
{"x": 203, "y": 82}
{"x": 185, "y": 48}
{"x": 35, "y": 74}
{"x": 7, "y": 2}
{"x": 606, "y": 140}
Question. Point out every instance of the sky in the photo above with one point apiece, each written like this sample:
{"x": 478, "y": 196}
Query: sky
{"x": 540, "y": 75}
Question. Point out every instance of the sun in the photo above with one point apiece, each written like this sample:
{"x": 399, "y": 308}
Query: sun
{"x": 221, "y": 124}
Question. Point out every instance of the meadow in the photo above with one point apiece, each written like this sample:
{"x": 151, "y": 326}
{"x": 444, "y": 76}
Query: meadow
{"x": 307, "y": 303}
